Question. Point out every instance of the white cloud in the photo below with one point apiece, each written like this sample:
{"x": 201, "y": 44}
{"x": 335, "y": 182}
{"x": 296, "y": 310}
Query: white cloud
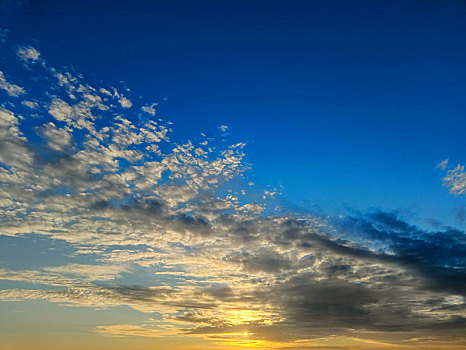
{"x": 455, "y": 180}
{"x": 30, "y": 104}
{"x": 28, "y": 54}
{"x": 149, "y": 109}
{"x": 11, "y": 89}
{"x": 105, "y": 92}
{"x": 57, "y": 139}
{"x": 252, "y": 208}
{"x": 125, "y": 103}
{"x": 455, "y": 177}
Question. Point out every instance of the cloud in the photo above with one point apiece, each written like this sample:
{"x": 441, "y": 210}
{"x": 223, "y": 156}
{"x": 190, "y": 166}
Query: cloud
{"x": 123, "y": 330}
{"x": 443, "y": 164}
{"x": 57, "y": 139}
{"x": 11, "y": 89}
{"x": 3, "y": 35}
{"x": 28, "y": 54}
{"x": 14, "y": 149}
{"x": 149, "y": 109}
{"x": 90, "y": 272}
{"x": 455, "y": 177}
{"x": 125, "y": 103}
{"x": 30, "y": 104}
{"x": 456, "y": 180}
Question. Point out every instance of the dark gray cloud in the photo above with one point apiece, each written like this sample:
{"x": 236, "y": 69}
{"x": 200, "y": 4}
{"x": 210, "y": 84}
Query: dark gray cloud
{"x": 439, "y": 257}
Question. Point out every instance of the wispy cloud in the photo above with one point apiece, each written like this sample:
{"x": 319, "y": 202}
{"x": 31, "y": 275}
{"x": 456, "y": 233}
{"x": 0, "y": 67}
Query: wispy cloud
{"x": 455, "y": 178}
{"x": 134, "y": 330}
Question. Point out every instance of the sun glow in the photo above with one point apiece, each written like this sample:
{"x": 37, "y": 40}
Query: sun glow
{"x": 245, "y": 316}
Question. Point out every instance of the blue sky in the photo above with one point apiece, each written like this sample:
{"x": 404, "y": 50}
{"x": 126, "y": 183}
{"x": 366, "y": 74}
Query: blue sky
{"x": 340, "y": 102}
{"x": 219, "y": 174}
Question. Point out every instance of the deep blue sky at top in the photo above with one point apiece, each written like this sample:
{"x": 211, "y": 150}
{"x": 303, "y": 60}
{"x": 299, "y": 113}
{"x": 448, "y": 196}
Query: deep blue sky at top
{"x": 340, "y": 101}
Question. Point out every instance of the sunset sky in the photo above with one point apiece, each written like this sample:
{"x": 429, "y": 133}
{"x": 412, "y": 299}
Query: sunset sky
{"x": 232, "y": 174}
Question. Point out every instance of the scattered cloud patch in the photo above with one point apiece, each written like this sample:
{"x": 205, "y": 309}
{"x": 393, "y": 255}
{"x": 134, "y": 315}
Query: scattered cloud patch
{"x": 150, "y": 109}
{"x": 11, "y": 89}
{"x": 30, "y": 104}
{"x": 443, "y": 164}
{"x": 28, "y": 54}
{"x": 125, "y": 103}
{"x": 3, "y": 35}
{"x": 455, "y": 178}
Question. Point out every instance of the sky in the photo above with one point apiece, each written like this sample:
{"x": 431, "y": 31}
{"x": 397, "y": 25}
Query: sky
{"x": 232, "y": 174}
